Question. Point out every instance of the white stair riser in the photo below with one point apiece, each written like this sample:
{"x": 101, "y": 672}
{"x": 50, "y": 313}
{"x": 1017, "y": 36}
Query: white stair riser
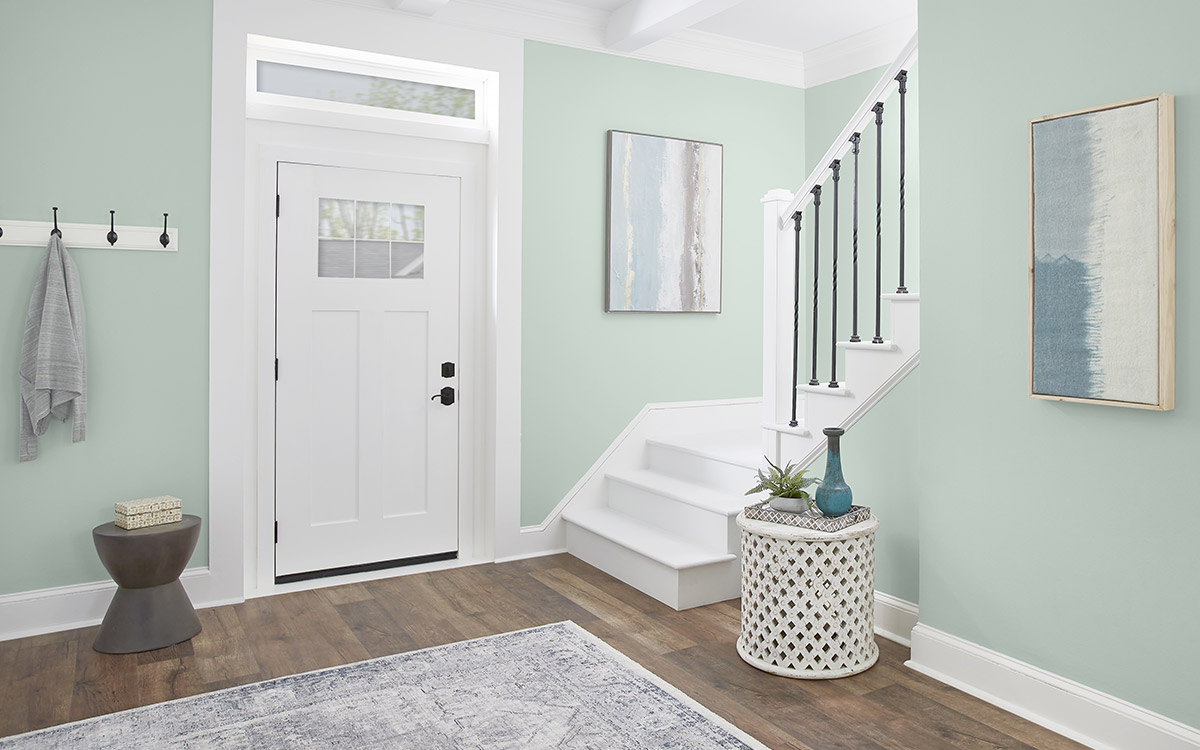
{"x": 827, "y": 411}
{"x": 716, "y": 532}
{"x": 906, "y": 326}
{"x": 871, "y": 369}
{"x": 680, "y": 589}
{"x": 698, "y": 469}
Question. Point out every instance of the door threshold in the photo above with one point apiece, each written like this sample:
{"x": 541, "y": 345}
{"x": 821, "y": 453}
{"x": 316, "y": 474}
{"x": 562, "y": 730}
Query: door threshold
{"x": 367, "y": 567}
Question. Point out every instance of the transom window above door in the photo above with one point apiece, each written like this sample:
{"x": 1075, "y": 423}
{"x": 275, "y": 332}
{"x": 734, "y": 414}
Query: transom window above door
{"x": 313, "y": 84}
{"x": 370, "y": 240}
{"x": 365, "y": 90}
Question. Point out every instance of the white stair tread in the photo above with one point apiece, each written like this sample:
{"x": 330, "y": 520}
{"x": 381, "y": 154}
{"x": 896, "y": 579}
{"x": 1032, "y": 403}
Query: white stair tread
{"x": 645, "y": 540}
{"x": 741, "y": 447}
{"x": 717, "y": 501}
{"x": 799, "y": 430}
{"x": 886, "y": 346}
{"x": 907, "y": 297}
{"x": 842, "y": 390}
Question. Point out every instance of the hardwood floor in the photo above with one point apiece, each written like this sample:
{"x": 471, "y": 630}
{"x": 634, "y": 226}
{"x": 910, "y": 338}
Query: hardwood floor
{"x": 57, "y": 678}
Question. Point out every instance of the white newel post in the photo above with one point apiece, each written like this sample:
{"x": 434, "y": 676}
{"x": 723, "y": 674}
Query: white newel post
{"x": 778, "y": 281}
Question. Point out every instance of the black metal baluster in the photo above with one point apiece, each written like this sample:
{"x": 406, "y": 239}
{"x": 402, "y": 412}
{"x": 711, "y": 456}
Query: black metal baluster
{"x": 903, "y": 79}
{"x": 816, "y": 191}
{"x": 836, "y": 166}
{"x": 878, "y": 110}
{"x": 796, "y": 324}
{"x": 854, "y": 139}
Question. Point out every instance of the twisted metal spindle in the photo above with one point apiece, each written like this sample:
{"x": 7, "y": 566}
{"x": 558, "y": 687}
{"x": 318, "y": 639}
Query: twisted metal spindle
{"x": 836, "y": 166}
{"x": 903, "y": 79}
{"x": 854, "y": 139}
{"x": 796, "y": 323}
{"x": 816, "y": 191}
{"x": 878, "y": 110}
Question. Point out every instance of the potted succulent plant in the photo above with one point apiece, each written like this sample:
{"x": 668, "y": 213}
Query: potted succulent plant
{"x": 786, "y": 487}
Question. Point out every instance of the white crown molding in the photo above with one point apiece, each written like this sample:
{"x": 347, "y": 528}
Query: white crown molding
{"x": 584, "y": 27}
{"x": 1077, "y": 711}
{"x": 870, "y": 49}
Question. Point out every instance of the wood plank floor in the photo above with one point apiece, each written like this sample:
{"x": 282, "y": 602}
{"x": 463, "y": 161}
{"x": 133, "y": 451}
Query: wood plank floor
{"x": 57, "y": 678}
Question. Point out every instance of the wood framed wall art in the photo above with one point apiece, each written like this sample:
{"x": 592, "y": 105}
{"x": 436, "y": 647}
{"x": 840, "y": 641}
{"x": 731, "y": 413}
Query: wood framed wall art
{"x": 663, "y": 225}
{"x": 1102, "y": 255}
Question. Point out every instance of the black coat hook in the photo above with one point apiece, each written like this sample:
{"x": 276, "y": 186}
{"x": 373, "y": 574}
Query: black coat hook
{"x": 164, "y": 238}
{"x": 56, "y": 230}
{"x": 112, "y": 228}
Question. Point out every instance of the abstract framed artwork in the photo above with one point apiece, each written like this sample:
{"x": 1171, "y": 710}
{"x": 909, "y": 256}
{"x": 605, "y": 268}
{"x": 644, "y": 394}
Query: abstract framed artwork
{"x": 1102, "y": 255}
{"x": 663, "y": 249}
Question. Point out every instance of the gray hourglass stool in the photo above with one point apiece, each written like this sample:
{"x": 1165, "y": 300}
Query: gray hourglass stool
{"x": 150, "y": 609}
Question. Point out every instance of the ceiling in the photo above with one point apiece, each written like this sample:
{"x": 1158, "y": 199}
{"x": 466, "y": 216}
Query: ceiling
{"x": 794, "y": 42}
{"x": 796, "y": 25}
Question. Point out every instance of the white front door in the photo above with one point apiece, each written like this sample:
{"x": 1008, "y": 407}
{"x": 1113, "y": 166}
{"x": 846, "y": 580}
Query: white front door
{"x": 367, "y": 338}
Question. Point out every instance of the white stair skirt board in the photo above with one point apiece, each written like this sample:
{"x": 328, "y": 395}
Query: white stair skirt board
{"x": 82, "y": 605}
{"x": 667, "y": 568}
{"x": 1081, "y": 713}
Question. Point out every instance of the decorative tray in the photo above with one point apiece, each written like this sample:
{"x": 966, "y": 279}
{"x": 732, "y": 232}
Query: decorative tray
{"x": 809, "y": 519}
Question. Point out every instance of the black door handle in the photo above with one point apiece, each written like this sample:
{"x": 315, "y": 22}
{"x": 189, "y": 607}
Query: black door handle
{"x": 447, "y": 396}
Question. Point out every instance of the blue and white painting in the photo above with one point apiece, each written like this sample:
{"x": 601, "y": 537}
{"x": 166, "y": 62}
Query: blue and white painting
{"x": 664, "y": 224}
{"x": 1096, "y": 255}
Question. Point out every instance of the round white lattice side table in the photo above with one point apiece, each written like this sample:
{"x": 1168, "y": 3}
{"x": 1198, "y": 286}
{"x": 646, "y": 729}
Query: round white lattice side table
{"x": 808, "y": 599}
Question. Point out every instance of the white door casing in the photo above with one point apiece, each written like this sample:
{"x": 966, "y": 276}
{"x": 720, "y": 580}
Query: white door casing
{"x": 366, "y": 459}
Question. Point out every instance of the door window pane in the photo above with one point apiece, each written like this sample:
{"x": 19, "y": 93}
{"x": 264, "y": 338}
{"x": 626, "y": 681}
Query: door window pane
{"x": 370, "y": 240}
{"x": 337, "y": 219}
{"x": 408, "y": 260}
{"x": 335, "y": 259}
{"x": 371, "y": 260}
{"x": 367, "y": 90}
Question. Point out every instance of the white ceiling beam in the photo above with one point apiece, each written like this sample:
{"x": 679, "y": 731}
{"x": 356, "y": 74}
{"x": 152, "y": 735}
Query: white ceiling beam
{"x": 420, "y": 7}
{"x": 638, "y": 23}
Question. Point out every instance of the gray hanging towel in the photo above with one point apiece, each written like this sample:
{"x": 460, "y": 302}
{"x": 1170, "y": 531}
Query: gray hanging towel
{"x": 53, "y": 361}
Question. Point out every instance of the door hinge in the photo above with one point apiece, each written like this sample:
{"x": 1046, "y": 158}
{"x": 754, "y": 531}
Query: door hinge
{"x": 277, "y": 369}
{"x": 277, "y": 532}
{"x": 277, "y": 205}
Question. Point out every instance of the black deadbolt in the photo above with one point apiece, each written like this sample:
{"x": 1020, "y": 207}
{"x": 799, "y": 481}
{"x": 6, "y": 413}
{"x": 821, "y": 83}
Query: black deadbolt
{"x": 447, "y": 369}
{"x": 447, "y": 396}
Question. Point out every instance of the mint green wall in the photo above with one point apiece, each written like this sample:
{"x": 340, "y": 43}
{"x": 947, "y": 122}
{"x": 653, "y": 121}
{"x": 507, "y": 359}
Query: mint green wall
{"x": 106, "y": 106}
{"x": 586, "y": 373}
{"x": 1063, "y": 535}
{"x": 880, "y": 454}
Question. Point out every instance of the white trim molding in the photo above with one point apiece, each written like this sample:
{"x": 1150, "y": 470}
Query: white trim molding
{"x": 1084, "y": 714}
{"x": 82, "y": 605}
{"x": 895, "y": 618}
{"x": 859, "y": 53}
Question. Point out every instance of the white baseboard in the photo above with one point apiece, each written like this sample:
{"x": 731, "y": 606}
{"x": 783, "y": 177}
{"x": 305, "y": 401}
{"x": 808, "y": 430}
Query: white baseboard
{"x": 895, "y": 618}
{"x": 1077, "y": 711}
{"x": 81, "y": 605}
{"x": 528, "y": 555}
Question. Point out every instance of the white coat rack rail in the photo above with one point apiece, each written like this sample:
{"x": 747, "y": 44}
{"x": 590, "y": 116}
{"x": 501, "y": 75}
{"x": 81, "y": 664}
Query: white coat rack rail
{"x": 37, "y": 234}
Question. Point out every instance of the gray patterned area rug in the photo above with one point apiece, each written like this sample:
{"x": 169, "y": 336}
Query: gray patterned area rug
{"x": 556, "y": 686}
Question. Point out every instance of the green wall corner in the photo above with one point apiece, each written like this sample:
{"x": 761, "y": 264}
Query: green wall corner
{"x": 586, "y": 373}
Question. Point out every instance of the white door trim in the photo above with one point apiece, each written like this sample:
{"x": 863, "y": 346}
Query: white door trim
{"x": 474, "y": 535}
{"x": 234, "y": 273}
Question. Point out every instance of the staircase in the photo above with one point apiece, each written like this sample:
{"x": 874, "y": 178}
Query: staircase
{"x": 658, "y": 510}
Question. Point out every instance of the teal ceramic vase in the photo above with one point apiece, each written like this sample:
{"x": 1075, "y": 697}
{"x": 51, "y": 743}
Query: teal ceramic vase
{"x": 833, "y": 496}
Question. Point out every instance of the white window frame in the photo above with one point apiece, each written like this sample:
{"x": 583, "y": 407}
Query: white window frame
{"x": 306, "y": 111}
